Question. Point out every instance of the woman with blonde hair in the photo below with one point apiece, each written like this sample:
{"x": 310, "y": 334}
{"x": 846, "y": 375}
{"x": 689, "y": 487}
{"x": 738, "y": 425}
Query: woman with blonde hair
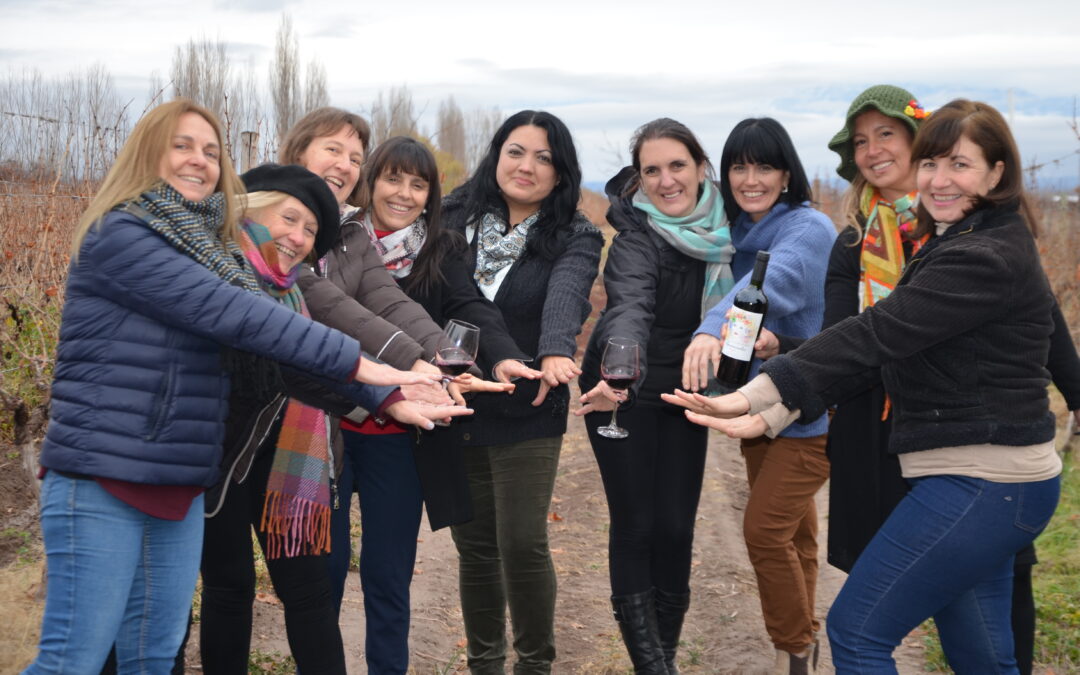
{"x": 160, "y": 315}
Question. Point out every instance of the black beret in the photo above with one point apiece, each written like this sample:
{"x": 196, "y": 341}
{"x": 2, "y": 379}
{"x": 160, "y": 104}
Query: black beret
{"x": 312, "y": 191}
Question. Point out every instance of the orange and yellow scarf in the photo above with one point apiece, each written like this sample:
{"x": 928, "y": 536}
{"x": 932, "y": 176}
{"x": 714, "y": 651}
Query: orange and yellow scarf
{"x": 882, "y": 260}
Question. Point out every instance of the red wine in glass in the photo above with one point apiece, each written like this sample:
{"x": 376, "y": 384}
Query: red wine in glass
{"x": 619, "y": 378}
{"x": 619, "y": 368}
{"x": 453, "y": 361}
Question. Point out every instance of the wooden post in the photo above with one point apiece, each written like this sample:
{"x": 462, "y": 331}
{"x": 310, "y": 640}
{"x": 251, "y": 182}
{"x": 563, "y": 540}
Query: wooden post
{"x": 249, "y": 150}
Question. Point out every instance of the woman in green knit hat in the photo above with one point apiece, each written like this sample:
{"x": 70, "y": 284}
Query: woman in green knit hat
{"x": 869, "y": 256}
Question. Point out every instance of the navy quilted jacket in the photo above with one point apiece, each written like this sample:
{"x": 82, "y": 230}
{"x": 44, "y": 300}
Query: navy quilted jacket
{"x": 139, "y": 393}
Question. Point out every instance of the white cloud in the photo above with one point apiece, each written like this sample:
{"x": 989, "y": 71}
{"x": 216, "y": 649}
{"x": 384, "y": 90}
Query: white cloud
{"x": 606, "y": 67}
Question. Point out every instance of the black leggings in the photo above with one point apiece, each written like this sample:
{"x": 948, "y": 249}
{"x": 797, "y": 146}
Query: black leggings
{"x": 302, "y": 584}
{"x": 653, "y": 482}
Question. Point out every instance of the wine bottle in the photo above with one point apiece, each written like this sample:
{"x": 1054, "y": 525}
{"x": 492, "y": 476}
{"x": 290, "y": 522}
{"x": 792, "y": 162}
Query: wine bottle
{"x": 744, "y": 325}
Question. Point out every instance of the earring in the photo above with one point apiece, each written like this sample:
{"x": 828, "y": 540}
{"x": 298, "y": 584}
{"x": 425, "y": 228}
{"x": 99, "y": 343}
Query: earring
{"x": 784, "y": 191}
{"x": 424, "y": 212}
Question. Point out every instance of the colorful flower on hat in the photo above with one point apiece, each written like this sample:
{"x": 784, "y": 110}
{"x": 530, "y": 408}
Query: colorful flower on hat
{"x": 915, "y": 110}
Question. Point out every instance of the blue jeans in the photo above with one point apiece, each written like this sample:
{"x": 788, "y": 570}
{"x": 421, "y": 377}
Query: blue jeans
{"x": 115, "y": 574}
{"x": 382, "y": 470}
{"x": 946, "y": 551}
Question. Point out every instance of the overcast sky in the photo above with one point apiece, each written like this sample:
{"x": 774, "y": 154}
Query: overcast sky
{"x": 607, "y": 67}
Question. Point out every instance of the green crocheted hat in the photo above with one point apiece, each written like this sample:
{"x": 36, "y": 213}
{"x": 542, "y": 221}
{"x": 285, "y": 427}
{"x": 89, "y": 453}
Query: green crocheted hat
{"x": 886, "y": 99}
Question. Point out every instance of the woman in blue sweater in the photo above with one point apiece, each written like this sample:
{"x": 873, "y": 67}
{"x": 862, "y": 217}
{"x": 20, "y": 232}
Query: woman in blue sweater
{"x": 766, "y": 195}
{"x": 161, "y": 310}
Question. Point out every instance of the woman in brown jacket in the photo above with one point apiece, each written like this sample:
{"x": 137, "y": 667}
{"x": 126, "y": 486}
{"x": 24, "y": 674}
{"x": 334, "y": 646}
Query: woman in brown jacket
{"x": 358, "y": 296}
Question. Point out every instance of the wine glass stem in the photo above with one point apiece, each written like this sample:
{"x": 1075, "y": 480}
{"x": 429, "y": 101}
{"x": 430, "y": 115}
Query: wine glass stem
{"x": 614, "y": 413}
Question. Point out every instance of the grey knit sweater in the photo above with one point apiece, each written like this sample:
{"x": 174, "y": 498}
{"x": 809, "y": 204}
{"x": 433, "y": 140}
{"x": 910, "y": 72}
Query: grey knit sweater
{"x": 544, "y": 303}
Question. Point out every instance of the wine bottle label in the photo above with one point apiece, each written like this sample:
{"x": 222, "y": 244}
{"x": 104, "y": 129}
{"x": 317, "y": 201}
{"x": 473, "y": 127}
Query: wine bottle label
{"x": 742, "y": 331}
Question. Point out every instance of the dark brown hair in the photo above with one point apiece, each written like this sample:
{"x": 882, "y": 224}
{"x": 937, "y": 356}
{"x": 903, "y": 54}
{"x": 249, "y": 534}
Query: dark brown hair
{"x": 402, "y": 154}
{"x": 984, "y": 126}
{"x": 665, "y": 127}
{"x": 324, "y": 122}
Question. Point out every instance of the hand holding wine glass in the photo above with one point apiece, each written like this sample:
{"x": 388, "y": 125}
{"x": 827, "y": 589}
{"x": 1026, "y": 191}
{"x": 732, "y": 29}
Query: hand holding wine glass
{"x": 619, "y": 368}
{"x": 456, "y": 351}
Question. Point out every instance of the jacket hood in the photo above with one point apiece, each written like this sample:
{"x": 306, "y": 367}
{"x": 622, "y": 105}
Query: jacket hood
{"x": 621, "y": 214}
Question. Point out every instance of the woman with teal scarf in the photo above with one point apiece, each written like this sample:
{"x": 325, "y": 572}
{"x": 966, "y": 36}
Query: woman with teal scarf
{"x": 669, "y": 264}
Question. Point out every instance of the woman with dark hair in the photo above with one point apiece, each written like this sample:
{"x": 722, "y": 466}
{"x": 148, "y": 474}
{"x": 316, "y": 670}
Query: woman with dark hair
{"x": 767, "y": 198}
{"x": 961, "y": 344}
{"x": 535, "y": 256}
{"x": 669, "y": 264}
{"x": 392, "y": 470}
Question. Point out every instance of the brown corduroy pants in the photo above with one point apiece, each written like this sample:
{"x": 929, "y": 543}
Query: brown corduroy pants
{"x": 780, "y": 528}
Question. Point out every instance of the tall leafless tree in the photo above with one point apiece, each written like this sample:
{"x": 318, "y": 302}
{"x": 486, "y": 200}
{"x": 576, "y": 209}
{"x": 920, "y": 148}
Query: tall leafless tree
{"x": 201, "y": 72}
{"x": 285, "y": 77}
{"x": 450, "y": 130}
{"x": 315, "y": 91}
{"x": 481, "y": 125}
{"x": 393, "y": 116}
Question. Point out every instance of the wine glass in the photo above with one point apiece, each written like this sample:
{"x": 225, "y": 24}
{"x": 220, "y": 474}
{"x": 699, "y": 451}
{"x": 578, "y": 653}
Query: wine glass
{"x": 619, "y": 368}
{"x": 456, "y": 350}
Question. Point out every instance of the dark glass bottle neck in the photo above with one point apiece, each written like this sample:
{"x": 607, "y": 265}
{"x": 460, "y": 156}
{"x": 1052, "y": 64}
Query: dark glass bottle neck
{"x": 757, "y": 278}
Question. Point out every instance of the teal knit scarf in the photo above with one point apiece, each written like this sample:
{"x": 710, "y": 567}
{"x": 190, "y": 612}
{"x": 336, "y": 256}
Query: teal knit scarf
{"x": 703, "y": 235}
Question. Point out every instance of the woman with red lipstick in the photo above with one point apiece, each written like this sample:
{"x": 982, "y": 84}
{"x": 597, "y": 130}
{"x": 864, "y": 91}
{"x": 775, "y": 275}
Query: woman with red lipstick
{"x": 535, "y": 256}
{"x": 669, "y": 263}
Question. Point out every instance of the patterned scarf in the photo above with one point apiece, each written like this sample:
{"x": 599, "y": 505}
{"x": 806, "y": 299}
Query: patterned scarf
{"x": 296, "y": 511}
{"x": 194, "y": 228}
{"x": 704, "y": 234}
{"x": 882, "y": 260}
{"x": 498, "y": 250}
{"x": 398, "y": 249}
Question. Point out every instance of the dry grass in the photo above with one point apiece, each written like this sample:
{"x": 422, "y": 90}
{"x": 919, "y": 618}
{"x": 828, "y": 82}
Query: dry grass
{"x": 20, "y": 586}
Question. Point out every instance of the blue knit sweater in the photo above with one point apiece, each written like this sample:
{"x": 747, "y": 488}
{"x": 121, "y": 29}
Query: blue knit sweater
{"x": 798, "y": 240}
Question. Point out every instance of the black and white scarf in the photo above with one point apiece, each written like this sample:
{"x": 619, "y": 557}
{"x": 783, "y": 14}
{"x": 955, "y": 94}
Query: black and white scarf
{"x": 498, "y": 248}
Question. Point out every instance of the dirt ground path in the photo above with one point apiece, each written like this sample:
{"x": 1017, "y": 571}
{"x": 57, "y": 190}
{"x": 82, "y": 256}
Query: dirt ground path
{"x": 724, "y": 632}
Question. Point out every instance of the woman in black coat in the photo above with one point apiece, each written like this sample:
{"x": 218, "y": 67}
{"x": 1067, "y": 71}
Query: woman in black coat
{"x": 667, "y": 266}
{"x": 535, "y": 256}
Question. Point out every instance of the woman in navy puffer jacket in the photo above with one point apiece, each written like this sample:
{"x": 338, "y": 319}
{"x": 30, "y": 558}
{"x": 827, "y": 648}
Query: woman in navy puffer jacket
{"x": 160, "y": 310}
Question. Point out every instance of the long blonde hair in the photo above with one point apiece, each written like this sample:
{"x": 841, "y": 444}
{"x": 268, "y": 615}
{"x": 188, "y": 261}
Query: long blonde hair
{"x": 851, "y": 209}
{"x": 137, "y": 168}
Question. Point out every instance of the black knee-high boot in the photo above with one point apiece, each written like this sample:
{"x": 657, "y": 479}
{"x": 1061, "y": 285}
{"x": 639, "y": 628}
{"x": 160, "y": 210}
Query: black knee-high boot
{"x": 636, "y": 614}
{"x": 670, "y": 612}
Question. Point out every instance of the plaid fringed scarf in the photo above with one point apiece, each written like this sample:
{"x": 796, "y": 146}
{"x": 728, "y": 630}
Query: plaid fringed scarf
{"x": 296, "y": 512}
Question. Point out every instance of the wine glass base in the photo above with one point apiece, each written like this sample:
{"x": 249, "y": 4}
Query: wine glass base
{"x": 612, "y": 431}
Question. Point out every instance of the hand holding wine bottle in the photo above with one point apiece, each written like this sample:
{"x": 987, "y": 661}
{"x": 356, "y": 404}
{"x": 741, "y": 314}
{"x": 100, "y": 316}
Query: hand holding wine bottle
{"x": 744, "y": 324}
